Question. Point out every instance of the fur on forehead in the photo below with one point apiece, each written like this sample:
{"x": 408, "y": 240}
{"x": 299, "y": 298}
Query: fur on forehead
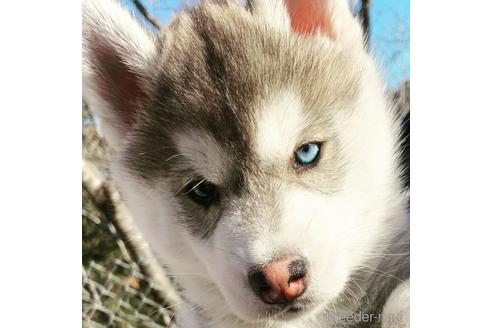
{"x": 219, "y": 64}
{"x": 199, "y": 153}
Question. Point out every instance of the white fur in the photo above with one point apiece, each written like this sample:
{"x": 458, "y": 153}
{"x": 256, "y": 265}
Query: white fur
{"x": 344, "y": 26}
{"x": 278, "y": 125}
{"x": 199, "y": 151}
{"x": 273, "y": 12}
{"x": 396, "y": 312}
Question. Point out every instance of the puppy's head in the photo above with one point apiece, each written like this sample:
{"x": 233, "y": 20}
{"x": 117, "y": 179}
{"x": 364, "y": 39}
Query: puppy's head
{"x": 254, "y": 140}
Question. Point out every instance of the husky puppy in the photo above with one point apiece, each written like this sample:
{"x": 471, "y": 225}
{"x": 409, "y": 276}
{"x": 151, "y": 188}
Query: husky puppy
{"x": 258, "y": 153}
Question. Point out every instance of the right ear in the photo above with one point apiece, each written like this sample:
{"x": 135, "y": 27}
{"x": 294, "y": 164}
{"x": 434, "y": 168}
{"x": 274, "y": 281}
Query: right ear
{"x": 117, "y": 52}
{"x": 331, "y": 19}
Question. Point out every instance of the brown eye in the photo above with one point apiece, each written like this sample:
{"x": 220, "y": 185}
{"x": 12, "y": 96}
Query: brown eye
{"x": 202, "y": 192}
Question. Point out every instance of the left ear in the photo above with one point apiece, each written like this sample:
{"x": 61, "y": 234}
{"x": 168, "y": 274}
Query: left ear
{"x": 329, "y": 18}
{"x": 117, "y": 56}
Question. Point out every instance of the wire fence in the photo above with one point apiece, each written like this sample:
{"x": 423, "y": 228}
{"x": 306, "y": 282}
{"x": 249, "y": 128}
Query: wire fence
{"x": 118, "y": 294}
{"x": 122, "y": 284}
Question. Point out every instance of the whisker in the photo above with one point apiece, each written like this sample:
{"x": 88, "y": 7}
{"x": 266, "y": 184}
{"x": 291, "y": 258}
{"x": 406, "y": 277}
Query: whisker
{"x": 174, "y": 156}
{"x": 353, "y": 294}
{"x": 382, "y": 272}
{"x": 184, "y": 186}
{"x": 184, "y": 274}
{"x": 386, "y": 254}
{"x": 199, "y": 183}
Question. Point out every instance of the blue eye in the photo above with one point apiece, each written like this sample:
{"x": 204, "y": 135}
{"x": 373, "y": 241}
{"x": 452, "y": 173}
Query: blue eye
{"x": 307, "y": 154}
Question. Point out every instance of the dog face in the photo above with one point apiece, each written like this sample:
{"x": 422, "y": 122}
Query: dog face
{"x": 253, "y": 146}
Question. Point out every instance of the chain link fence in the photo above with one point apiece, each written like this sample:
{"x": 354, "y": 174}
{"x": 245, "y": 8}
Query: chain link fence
{"x": 119, "y": 288}
{"x": 117, "y": 294}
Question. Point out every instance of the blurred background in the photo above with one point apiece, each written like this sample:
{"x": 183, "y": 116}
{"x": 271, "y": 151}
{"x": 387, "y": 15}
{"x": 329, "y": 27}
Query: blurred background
{"x": 123, "y": 286}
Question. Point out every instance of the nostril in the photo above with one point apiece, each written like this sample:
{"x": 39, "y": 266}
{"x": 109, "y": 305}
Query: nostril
{"x": 297, "y": 270}
{"x": 258, "y": 281}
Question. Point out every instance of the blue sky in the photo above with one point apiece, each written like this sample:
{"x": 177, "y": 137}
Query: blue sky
{"x": 390, "y": 33}
{"x": 390, "y": 38}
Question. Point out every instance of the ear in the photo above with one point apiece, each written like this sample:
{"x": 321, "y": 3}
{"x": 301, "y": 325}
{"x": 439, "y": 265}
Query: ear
{"x": 117, "y": 52}
{"x": 329, "y": 18}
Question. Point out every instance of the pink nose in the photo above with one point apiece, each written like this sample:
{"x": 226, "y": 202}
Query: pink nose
{"x": 279, "y": 281}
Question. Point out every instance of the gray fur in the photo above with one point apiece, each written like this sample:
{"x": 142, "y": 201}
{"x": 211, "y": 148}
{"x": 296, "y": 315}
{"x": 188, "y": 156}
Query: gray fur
{"x": 218, "y": 65}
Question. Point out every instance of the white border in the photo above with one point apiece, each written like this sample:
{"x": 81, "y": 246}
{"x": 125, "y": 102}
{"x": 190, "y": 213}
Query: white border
{"x": 40, "y": 140}
{"x": 40, "y": 136}
{"x": 451, "y": 163}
